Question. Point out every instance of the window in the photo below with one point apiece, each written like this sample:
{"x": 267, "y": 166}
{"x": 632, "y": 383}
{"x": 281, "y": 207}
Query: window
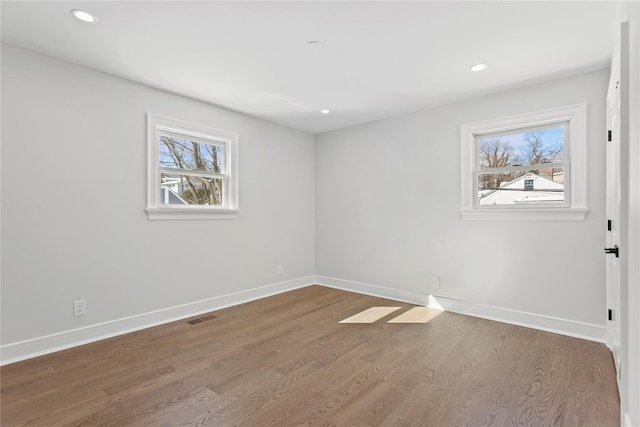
{"x": 527, "y": 167}
{"x": 193, "y": 171}
{"x": 523, "y": 166}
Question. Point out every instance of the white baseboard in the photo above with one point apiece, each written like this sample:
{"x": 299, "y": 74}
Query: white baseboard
{"x": 28, "y": 349}
{"x": 373, "y": 290}
{"x": 556, "y": 325}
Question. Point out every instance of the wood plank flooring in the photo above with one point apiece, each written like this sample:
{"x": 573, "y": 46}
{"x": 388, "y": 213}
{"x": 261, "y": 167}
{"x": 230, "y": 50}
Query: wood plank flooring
{"x": 286, "y": 361}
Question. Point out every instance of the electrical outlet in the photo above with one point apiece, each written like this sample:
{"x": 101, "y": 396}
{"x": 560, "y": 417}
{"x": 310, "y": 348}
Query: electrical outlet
{"x": 79, "y": 308}
{"x": 280, "y": 270}
{"x": 435, "y": 281}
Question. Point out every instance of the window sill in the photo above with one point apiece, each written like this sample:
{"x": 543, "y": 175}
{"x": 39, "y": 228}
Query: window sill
{"x": 160, "y": 214}
{"x": 540, "y": 214}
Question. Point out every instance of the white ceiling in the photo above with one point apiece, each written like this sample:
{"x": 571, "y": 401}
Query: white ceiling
{"x": 380, "y": 58}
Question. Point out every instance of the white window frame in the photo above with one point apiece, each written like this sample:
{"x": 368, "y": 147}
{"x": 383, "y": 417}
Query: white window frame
{"x": 158, "y": 125}
{"x": 576, "y": 166}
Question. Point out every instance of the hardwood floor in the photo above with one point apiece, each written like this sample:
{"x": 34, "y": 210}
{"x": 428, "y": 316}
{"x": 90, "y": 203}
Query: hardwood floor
{"x": 286, "y": 361}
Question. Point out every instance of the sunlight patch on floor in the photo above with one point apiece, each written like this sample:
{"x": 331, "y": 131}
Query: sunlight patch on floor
{"x": 417, "y": 315}
{"x": 413, "y": 315}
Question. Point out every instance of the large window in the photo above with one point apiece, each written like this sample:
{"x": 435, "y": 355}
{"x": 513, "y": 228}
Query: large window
{"x": 527, "y": 167}
{"x": 193, "y": 171}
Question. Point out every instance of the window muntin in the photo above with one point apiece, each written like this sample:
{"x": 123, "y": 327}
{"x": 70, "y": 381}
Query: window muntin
{"x": 193, "y": 171}
{"x": 555, "y": 177}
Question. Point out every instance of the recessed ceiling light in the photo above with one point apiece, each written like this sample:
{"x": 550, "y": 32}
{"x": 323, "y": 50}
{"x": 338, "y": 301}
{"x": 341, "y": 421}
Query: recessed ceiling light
{"x": 84, "y": 16}
{"x": 325, "y": 111}
{"x": 479, "y": 67}
{"x": 314, "y": 44}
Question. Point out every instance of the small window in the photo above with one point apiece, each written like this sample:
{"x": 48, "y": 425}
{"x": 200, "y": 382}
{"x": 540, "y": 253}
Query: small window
{"x": 528, "y": 185}
{"x": 528, "y": 167}
{"x": 193, "y": 171}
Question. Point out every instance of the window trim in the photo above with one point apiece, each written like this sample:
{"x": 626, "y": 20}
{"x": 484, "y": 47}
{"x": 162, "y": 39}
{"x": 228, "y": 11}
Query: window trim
{"x": 576, "y": 115}
{"x": 164, "y": 125}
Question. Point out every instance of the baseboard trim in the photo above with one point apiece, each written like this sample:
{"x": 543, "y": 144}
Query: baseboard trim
{"x": 373, "y": 290}
{"x": 588, "y": 331}
{"x": 15, "y": 352}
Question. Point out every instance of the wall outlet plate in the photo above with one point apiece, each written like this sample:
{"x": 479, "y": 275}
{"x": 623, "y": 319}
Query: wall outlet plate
{"x": 435, "y": 281}
{"x": 79, "y": 308}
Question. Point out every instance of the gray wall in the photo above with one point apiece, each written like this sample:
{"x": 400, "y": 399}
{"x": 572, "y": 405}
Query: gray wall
{"x": 387, "y": 201}
{"x": 73, "y": 203}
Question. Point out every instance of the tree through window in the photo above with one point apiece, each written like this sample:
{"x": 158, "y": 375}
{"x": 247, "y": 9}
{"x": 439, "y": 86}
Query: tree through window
{"x": 531, "y": 166}
{"x": 506, "y": 158}
{"x": 179, "y": 156}
{"x": 192, "y": 170}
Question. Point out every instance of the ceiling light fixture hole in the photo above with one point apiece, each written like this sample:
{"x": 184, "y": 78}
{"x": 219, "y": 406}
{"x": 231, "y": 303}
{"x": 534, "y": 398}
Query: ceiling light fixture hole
{"x": 314, "y": 44}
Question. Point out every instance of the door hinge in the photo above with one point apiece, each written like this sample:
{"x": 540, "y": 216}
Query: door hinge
{"x": 609, "y": 225}
{"x": 609, "y": 136}
{"x": 610, "y": 314}
{"x": 614, "y": 250}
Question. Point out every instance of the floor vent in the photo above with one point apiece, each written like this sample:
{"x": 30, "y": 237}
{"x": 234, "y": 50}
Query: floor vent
{"x": 200, "y": 320}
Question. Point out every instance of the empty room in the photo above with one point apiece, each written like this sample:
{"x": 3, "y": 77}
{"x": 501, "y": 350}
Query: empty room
{"x": 320, "y": 213}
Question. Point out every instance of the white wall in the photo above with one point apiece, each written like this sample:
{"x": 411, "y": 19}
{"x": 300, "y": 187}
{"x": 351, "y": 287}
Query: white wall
{"x": 387, "y": 214}
{"x": 73, "y": 219}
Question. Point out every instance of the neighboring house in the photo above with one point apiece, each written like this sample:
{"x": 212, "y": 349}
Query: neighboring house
{"x": 169, "y": 193}
{"x": 529, "y": 188}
